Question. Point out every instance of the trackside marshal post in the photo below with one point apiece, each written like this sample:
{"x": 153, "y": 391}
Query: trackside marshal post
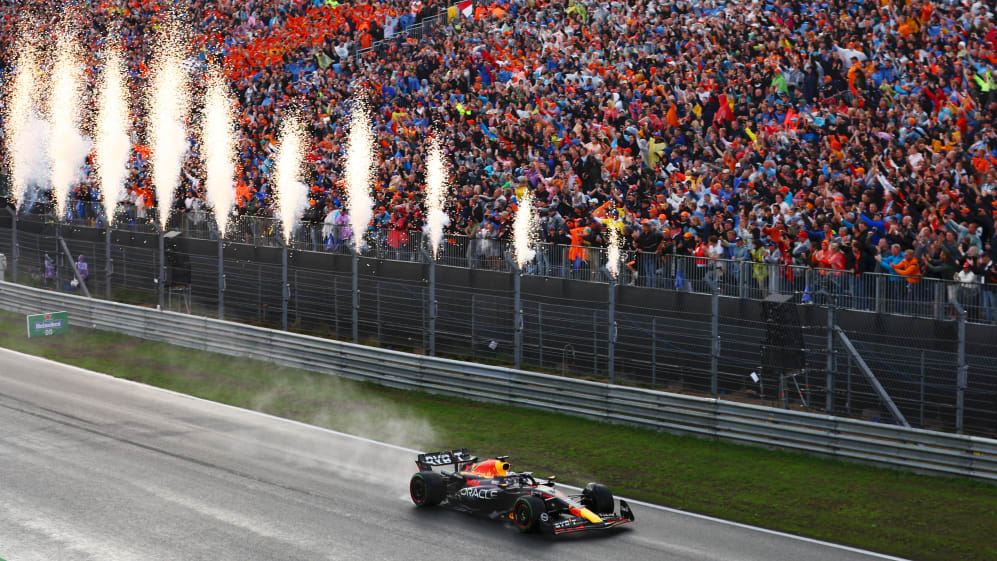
{"x": 43, "y": 325}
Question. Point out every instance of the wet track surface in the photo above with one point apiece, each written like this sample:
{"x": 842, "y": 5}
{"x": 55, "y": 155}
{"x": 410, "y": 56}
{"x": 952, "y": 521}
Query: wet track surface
{"x": 95, "y": 468}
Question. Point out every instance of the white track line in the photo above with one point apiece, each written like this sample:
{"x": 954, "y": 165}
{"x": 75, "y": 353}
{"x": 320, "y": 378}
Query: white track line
{"x": 412, "y": 451}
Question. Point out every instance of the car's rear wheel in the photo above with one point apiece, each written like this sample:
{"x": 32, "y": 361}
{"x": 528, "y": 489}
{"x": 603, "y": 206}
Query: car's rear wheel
{"x": 427, "y": 488}
{"x": 598, "y": 498}
{"x": 526, "y": 513}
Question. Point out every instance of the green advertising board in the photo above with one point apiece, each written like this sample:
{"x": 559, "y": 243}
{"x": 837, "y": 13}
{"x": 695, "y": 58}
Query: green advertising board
{"x": 43, "y": 325}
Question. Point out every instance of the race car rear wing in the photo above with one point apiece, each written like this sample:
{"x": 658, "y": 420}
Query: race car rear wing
{"x": 455, "y": 458}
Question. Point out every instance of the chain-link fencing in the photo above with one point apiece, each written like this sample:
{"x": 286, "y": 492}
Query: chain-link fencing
{"x": 770, "y": 344}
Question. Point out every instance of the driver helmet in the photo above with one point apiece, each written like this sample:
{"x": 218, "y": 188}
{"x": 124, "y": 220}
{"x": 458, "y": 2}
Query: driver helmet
{"x": 491, "y": 468}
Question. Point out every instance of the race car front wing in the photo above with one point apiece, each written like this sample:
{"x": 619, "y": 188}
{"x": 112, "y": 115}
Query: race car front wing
{"x": 569, "y": 524}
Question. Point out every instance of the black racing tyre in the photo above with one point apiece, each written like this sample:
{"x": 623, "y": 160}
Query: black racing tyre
{"x": 427, "y": 488}
{"x": 598, "y": 498}
{"x": 526, "y": 513}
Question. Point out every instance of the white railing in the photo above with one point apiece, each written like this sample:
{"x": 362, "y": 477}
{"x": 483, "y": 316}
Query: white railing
{"x": 824, "y": 435}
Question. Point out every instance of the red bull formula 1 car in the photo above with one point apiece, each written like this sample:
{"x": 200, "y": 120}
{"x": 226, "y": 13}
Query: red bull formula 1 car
{"x": 488, "y": 488}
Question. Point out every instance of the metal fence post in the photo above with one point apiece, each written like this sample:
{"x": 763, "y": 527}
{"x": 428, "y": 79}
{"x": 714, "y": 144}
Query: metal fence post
{"x": 259, "y": 292}
{"x": 221, "y": 278}
{"x": 15, "y": 251}
{"x": 939, "y": 307}
{"x": 809, "y": 283}
{"x": 285, "y": 289}
{"x": 743, "y": 275}
{"x": 654, "y": 351}
{"x": 611, "y": 347}
{"x": 474, "y": 312}
{"x": 356, "y": 295}
{"x": 108, "y": 262}
{"x": 922, "y": 390}
{"x": 848, "y": 390}
{"x": 879, "y": 294}
{"x": 423, "y": 323}
{"x": 162, "y": 268}
{"x": 961, "y": 382}
{"x": 829, "y": 405}
{"x": 873, "y": 381}
{"x": 58, "y": 259}
{"x": 540, "y": 332}
{"x": 377, "y": 309}
{"x": 517, "y": 276}
{"x": 595, "y": 342}
{"x": 714, "y": 337}
{"x": 335, "y": 304}
{"x": 433, "y": 306}
{"x": 72, "y": 266}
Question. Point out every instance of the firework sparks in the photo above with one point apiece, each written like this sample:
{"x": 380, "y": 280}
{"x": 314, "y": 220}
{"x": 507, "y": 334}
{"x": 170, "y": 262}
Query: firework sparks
{"x": 436, "y": 187}
{"x": 218, "y": 148}
{"x": 292, "y": 194}
{"x": 524, "y": 231}
{"x": 112, "y": 142}
{"x": 168, "y": 104}
{"x": 359, "y": 169}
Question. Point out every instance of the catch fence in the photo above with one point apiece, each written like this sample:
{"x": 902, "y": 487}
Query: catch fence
{"x": 659, "y": 339}
{"x": 892, "y": 446}
{"x": 929, "y": 298}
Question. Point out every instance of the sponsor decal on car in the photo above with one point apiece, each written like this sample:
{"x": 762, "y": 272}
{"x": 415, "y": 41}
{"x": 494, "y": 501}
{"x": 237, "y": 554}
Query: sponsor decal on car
{"x": 438, "y": 459}
{"x": 483, "y": 493}
{"x": 444, "y": 458}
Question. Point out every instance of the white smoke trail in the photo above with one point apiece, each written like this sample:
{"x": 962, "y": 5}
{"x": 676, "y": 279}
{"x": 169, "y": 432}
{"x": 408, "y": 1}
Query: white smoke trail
{"x": 524, "y": 231}
{"x": 436, "y": 187}
{"x": 613, "y": 255}
{"x": 218, "y": 149}
{"x": 291, "y": 193}
{"x": 20, "y": 120}
{"x": 359, "y": 168}
{"x": 66, "y": 88}
{"x": 112, "y": 141}
{"x": 168, "y": 103}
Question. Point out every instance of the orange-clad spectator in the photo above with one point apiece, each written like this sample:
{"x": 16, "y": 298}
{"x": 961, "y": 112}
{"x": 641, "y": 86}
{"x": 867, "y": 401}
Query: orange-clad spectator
{"x": 576, "y": 254}
{"x": 822, "y": 257}
{"x": 909, "y": 268}
{"x": 835, "y": 258}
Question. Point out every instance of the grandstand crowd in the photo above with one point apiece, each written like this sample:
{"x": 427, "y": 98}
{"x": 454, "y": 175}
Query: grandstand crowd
{"x": 856, "y": 136}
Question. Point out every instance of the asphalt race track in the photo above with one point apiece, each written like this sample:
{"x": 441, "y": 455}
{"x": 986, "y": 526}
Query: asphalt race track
{"x": 96, "y": 468}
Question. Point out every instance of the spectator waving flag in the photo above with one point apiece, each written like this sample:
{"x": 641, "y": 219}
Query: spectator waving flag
{"x": 887, "y": 186}
{"x": 466, "y": 8}
{"x": 792, "y": 120}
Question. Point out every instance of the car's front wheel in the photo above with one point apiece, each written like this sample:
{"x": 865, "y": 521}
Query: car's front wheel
{"x": 598, "y": 498}
{"x": 427, "y": 488}
{"x": 526, "y": 513}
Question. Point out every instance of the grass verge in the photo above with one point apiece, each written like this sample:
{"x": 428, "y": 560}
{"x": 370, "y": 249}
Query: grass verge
{"x": 915, "y": 516}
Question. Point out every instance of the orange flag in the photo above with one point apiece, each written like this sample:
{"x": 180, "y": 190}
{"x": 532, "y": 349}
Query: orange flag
{"x": 672, "y": 117}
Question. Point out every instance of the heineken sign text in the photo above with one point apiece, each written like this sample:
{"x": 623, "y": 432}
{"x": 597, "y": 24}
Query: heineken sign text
{"x": 43, "y": 325}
